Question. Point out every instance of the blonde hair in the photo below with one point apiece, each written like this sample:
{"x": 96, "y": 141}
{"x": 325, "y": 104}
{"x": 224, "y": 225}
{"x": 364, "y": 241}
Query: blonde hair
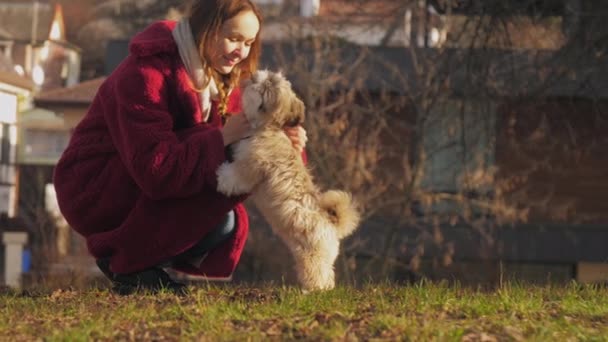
{"x": 206, "y": 18}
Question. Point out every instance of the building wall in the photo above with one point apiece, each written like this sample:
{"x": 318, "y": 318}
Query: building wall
{"x": 459, "y": 141}
{"x": 8, "y": 142}
{"x": 552, "y": 158}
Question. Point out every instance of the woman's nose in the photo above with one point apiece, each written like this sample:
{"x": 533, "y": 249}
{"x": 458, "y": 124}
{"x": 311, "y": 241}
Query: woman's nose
{"x": 238, "y": 51}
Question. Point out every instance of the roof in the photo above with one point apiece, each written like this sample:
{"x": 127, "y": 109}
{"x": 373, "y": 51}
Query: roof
{"x": 16, "y": 80}
{"x": 41, "y": 118}
{"x": 9, "y": 76}
{"x": 361, "y": 22}
{"x": 384, "y": 22}
{"x": 364, "y": 8}
{"x": 373, "y": 33}
{"x": 78, "y": 94}
{"x": 16, "y": 20}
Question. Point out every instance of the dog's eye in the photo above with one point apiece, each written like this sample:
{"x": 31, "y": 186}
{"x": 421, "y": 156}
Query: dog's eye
{"x": 293, "y": 122}
{"x": 261, "y": 106}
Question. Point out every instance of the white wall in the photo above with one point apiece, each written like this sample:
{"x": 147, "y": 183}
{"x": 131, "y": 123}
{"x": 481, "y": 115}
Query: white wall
{"x": 8, "y": 143}
{"x": 309, "y": 8}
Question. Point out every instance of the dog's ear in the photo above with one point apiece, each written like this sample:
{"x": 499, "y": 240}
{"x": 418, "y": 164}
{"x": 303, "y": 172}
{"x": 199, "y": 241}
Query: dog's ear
{"x": 296, "y": 112}
{"x": 259, "y": 76}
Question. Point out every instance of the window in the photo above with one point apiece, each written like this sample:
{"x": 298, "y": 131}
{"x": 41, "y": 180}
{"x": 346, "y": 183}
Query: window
{"x": 44, "y": 144}
{"x": 5, "y": 144}
{"x": 6, "y": 48}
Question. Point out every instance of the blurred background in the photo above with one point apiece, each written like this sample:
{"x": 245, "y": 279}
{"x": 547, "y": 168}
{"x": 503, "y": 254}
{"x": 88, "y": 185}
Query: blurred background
{"x": 474, "y": 134}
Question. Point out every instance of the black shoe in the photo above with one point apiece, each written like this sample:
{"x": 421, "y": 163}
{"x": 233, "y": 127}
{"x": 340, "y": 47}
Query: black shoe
{"x": 104, "y": 266}
{"x": 153, "y": 280}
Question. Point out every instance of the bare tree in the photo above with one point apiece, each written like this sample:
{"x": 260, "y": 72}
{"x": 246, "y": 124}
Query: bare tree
{"x": 438, "y": 113}
{"x": 416, "y": 123}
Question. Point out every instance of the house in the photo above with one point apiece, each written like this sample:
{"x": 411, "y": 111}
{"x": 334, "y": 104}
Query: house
{"x": 35, "y": 52}
{"x": 32, "y": 36}
{"x": 15, "y": 92}
{"x": 71, "y": 102}
{"x": 482, "y": 125}
{"x": 358, "y": 22}
{"x": 45, "y": 131}
{"x": 525, "y": 114}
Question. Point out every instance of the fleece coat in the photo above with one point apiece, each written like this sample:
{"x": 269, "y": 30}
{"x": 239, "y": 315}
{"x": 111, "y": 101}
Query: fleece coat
{"x": 138, "y": 178}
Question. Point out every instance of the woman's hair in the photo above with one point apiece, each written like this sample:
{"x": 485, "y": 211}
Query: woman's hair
{"x": 206, "y": 18}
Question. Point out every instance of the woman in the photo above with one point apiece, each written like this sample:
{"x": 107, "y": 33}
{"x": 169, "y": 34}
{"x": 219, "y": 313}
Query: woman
{"x": 138, "y": 178}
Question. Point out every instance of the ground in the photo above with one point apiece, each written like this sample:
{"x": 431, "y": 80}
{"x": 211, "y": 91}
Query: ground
{"x": 419, "y": 312}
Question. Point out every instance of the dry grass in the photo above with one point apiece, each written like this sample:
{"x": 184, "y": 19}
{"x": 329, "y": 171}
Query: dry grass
{"x": 227, "y": 312}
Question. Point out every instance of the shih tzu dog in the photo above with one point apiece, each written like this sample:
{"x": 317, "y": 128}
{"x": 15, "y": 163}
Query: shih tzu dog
{"x": 309, "y": 221}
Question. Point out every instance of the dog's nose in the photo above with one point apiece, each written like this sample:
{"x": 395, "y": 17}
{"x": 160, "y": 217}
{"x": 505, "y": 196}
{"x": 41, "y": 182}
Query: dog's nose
{"x": 293, "y": 122}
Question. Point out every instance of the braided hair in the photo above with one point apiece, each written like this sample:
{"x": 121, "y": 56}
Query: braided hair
{"x": 225, "y": 83}
{"x": 206, "y": 18}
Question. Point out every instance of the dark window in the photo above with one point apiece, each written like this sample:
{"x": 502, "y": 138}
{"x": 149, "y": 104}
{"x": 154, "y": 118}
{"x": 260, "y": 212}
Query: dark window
{"x": 5, "y": 145}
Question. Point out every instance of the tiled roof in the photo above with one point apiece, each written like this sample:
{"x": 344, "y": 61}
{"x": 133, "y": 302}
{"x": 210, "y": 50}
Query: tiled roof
{"x": 81, "y": 93}
{"x": 358, "y": 21}
{"x": 9, "y": 76}
{"x": 16, "y": 20}
{"x": 16, "y": 80}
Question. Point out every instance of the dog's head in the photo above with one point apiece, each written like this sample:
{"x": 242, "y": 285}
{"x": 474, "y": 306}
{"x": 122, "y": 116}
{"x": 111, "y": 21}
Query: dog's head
{"x": 268, "y": 99}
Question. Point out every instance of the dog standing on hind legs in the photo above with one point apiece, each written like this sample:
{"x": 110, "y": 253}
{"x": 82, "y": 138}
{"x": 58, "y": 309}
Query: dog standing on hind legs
{"x": 310, "y": 222}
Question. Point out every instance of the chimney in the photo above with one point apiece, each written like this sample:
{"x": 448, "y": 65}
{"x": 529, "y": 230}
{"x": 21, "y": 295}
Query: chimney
{"x": 57, "y": 27}
{"x": 309, "y": 8}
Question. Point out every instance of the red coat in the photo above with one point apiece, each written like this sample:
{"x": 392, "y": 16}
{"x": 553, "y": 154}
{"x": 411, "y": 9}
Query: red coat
{"x": 138, "y": 179}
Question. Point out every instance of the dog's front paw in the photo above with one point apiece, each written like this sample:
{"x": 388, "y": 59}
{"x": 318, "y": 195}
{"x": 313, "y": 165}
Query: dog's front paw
{"x": 224, "y": 179}
{"x": 315, "y": 276}
{"x": 227, "y": 181}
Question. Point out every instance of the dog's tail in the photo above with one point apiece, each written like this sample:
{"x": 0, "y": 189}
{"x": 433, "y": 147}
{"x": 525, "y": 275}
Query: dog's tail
{"x": 341, "y": 210}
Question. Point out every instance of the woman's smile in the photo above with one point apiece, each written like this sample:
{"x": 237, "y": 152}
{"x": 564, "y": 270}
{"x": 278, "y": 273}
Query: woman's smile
{"x": 233, "y": 44}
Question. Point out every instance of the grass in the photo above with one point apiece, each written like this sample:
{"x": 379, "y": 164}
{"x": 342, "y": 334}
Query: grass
{"x": 419, "y": 312}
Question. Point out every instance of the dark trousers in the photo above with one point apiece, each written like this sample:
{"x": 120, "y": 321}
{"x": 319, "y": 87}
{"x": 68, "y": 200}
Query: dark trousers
{"x": 222, "y": 232}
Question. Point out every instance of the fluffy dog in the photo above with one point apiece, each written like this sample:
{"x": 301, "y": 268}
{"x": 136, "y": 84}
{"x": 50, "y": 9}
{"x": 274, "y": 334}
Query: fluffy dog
{"x": 310, "y": 222}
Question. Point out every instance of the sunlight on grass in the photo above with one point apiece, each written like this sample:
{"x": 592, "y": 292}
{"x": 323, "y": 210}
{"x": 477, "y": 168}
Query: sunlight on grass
{"x": 425, "y": 311}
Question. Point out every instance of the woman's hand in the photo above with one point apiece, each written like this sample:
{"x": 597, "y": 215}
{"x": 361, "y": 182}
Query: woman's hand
{"x": 236, "y": 128}
{"x": 298, "y": 137}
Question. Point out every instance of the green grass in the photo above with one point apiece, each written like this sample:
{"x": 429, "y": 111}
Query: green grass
{"x": 417, "y": 312}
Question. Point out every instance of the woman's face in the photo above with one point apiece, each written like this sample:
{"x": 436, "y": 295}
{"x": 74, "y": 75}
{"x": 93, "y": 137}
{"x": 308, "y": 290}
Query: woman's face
{"x": 233, "y": 42}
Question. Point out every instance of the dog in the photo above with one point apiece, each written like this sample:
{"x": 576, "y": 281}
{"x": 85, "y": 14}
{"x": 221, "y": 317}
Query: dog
{"x": 310, "y": 222}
